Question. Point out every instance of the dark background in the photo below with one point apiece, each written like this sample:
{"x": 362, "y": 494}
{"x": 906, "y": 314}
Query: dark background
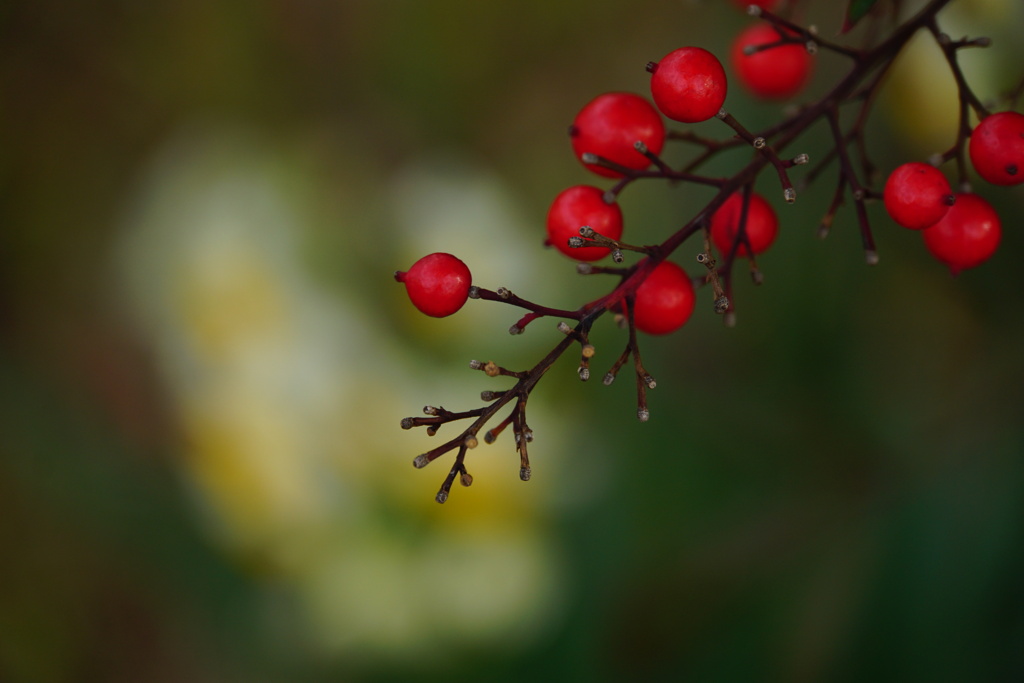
{"x": 204, "y": 361}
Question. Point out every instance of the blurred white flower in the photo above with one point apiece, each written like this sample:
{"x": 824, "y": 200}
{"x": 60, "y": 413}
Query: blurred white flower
{"x": 289, "y": 398}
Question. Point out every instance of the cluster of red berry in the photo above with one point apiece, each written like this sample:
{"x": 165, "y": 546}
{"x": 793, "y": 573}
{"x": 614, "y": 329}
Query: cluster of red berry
{"x": 620, "y": 136}
{"x": 620, "y": 132}
{"x": 960, "y": 229}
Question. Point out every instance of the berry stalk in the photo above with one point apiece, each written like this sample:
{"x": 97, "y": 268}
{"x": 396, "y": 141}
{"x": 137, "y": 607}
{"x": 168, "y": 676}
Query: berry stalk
{"x": 620, "y": 136}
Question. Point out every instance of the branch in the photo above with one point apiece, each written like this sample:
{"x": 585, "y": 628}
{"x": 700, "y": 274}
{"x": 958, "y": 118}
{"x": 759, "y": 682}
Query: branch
{"x": 860, "y": 84}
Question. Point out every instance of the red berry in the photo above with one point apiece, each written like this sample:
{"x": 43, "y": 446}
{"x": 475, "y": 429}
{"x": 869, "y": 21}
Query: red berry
{"x": 664, "y": 301}
{"x": 578, "y": 206}
{"x": 761, "y": 229}
{"x": 774, "y": 73}
{"x": 997, "y": 148}
{"x": 437, "y": 284}
{"x": 609, "y": 126}
{"x": 688, "y": 85}
{"x": 769, "y": 5}
{"x": 917, "y": 195}
{"x": 967, "y": 235}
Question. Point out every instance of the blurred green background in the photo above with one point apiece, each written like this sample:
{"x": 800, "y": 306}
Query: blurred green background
{"x": 204, "y": 361}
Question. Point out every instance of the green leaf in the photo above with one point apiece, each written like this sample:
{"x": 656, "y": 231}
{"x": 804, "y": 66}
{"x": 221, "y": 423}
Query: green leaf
{"x": 856, "y": 11}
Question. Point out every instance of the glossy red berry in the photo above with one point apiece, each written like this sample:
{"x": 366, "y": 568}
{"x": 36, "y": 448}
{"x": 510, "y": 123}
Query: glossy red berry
{"x": 997, "y": 148}
{"x": 774, "y": 73}
{"x": 664, "y": 301}
{"x": 438, "y": 284}
{"x": 917, "y": 195}
{"x": 769, "y": 5}
{"x": 610, "y": 125}
{"x": 761, "y": 229}
{"x": 967, "y": 235}
{"x": 578, "y": 206}
{"x": 688, "y": 84}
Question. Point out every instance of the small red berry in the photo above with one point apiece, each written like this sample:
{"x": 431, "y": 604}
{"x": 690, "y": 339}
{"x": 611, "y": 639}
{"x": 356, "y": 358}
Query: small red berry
{"x": 438, "y": 284}
{"x": 997, "y": 148}
{"x": 761, "y": 229}
{"x": 609, "y": 126}
{"x": 688, "y": 84}
{"x": 774, "y": 73}
{"x": 769, "y": 5}
{"x": 917, "y": 195}
{"x": 578, "y": 206}
{"x": 967, "y": 235}
{"x": 664, "y": 301}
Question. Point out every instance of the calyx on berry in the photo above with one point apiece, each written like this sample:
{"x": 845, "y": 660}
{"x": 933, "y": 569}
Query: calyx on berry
{"x": 664, "y": 301}
{"x": 775, "y": 73}
{"x": 761, "y": 228}
{"x": 688, "y": 84}
{"x": 967, "y": 235}
{"x": 576, "y": 207}
{"x": 610, "y": 125}
{"x": 997, "y": 148}
{"x": 917, "y": 195}
{"x": 438, "y": 284}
